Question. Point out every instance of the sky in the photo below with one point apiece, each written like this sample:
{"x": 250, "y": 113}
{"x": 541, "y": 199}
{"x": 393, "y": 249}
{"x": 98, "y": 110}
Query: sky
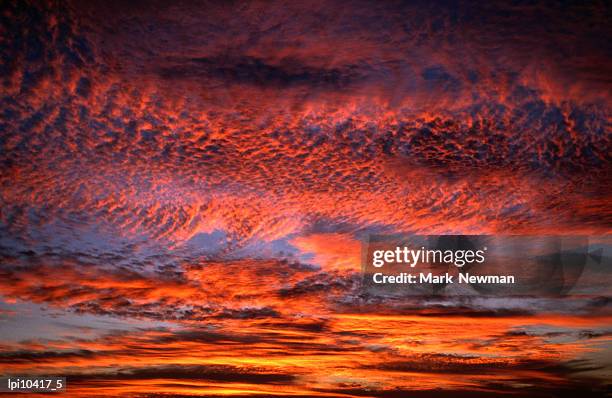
{"x": 185, "y": 188}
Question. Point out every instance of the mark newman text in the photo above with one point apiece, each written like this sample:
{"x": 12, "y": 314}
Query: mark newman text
{"x": 405, "y": 277}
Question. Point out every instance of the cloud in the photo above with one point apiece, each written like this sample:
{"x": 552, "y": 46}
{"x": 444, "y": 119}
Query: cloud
{"x": 214, "y": 166}
{"x": 226, "y": 374}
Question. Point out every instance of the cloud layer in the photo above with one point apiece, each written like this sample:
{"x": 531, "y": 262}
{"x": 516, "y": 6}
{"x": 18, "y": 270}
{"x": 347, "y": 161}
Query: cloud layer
{"x": 210, "y": 168}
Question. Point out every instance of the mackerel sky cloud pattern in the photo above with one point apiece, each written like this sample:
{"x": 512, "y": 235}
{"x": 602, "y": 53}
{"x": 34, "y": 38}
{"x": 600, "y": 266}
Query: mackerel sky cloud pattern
{"x": 184, "y": 189}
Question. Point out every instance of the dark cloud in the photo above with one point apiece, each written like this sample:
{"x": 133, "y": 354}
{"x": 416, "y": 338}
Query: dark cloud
{"x": 29, "y": 357}
{"x": 254, "y": 71}
{"x": 219, "y": 373}
{"x": 443, "y": 363}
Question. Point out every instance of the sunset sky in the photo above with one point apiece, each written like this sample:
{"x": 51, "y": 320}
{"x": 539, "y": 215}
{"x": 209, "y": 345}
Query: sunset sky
{"x": 185, "y": 186}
